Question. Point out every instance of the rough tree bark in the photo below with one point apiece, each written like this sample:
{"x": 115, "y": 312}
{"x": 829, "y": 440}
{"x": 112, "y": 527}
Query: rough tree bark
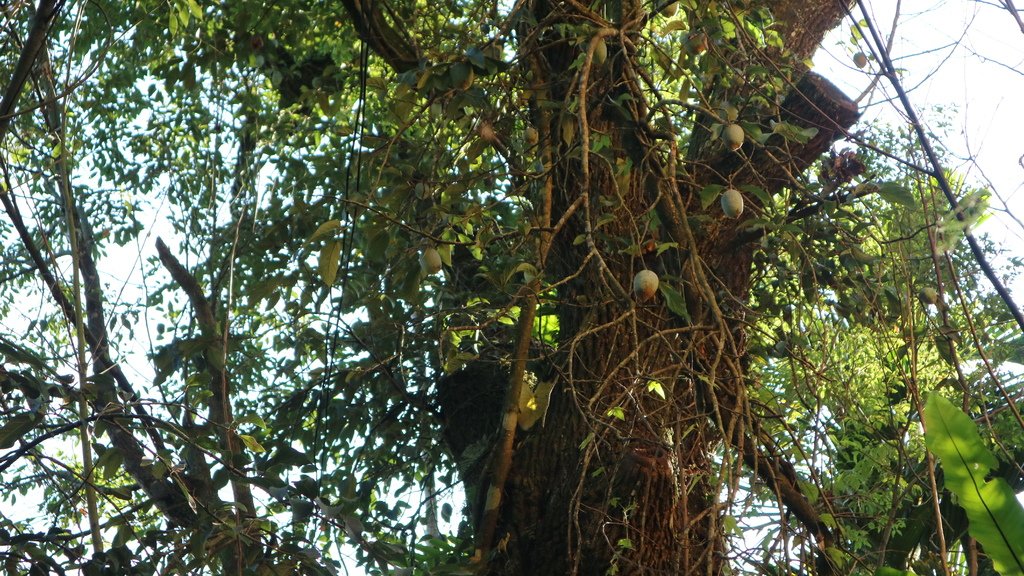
{"x": 588, "y": 491}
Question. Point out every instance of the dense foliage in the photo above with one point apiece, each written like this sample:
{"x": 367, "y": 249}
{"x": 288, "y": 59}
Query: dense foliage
{"x": 269, "y": 273}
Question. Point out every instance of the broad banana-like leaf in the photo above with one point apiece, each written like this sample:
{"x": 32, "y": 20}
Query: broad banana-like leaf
{"x": 995, "y": 517}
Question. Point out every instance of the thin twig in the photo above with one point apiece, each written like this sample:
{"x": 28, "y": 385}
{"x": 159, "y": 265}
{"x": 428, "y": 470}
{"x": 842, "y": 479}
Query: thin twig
{"x": 939, "y": 174}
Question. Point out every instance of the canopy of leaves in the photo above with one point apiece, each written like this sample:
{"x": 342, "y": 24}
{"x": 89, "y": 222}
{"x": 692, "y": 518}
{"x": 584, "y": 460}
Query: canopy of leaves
{"x": 262, "y": 391}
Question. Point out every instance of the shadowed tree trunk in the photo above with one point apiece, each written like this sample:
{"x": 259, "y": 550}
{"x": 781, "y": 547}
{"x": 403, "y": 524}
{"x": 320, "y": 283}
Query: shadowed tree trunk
{"x": 617, "y": 476}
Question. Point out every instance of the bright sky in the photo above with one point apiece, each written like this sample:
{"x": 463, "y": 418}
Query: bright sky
{"x": 968, "y": 57}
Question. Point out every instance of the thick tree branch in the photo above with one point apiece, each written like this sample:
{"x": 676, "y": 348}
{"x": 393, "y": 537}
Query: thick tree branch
{"x": 44, "y": 16}
{"x": 390, "y": 44}
{"x": 814, "y": 102}
{"x": 803, "y": 24}
{"x": 215, "y": 357}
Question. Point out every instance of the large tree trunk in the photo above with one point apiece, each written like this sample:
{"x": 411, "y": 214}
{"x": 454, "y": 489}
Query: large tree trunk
{"x": 617, "y": 476}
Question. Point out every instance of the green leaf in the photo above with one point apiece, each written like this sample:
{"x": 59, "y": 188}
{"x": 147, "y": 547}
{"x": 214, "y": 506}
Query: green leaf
{"x": 110, "y": 462}
{"x": 15, "y": 353}
{"x": 709, "y": 194}
{"x": 672, "y": 26}
{"x": 617, "y": 412}
{"x": 896, "y": 193}
{"x": 886, "y": 571}
{"x": 476, "y": 57}
{"x": 19, "y": 425}
{"x": 674, "y": 300}
{"x": 757, "y": 192}
{"x": 251, "y": 443}
{"x": 656, "y": 387}
{"x": 251, "y": 419}
{"x": 794, "y": 133}
{"x": 445, "y": 252}
{"x": 288, "y": 456}
{"x": 665, "y": 246}
{"x": 945, "y": 347}
{"x": 324, "y": 229}
{"x": 995, "y": 517}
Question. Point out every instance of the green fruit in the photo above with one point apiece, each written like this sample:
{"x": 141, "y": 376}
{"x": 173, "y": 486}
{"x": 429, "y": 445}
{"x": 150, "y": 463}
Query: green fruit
{"x": 600, "y": 52}
{"x": 732, "y": 203}
{"x": 645, "y": 285}
{"x": 430, "y": 261}
{"x": 928, "y": 295}
{"x": 733, "y": 136}
{"x": 860, "y": 60}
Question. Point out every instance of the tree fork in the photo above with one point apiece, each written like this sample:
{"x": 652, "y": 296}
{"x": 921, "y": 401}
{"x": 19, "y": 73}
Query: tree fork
{"x": 220, "y": 412}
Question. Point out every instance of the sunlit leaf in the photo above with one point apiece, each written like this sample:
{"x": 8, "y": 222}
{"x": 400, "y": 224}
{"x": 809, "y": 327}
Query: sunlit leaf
{"x": 996, "y": 518}
{"x": 251, "y": 443}
{"x": 324, "y": 230}
{"x": 656, "y": 387}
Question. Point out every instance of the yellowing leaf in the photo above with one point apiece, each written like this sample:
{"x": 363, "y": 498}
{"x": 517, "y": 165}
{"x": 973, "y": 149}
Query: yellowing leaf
{"x": 196, "y": 11}
{"x": 422, "y": 80}
{"x": 656, "y": 387}
{"x": 533, "y": 404}
{"x": 672, "y": 26}
{"x": 251, "y": 443}
{"x": 330, "y": 259}
{"x": 568, "y": 129}
{"x": 325, "y": 229}
{"x": 445, "y": 251}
